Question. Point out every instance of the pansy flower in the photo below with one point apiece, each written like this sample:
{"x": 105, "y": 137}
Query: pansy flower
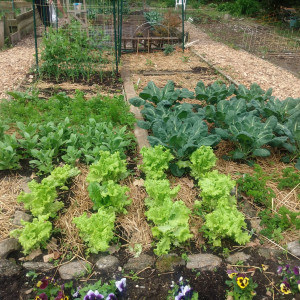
{"x": 287, "y": 268}
{"x": 231, "y": 273}
{"x": 186, "y": 292}
{"x": 279, "y": 270}
{"x": 93, "y": 295}
{"x": 298, "y": 282}
{"x": 242, "y": 280}
{"x": 42, "y": 296}
{"x": 121, "y": 285}
{"x": 61, "y": 296}
{"x": 111, "y": 296}
{"x": 285, "y": 288}
{"x": 296, "y": 271}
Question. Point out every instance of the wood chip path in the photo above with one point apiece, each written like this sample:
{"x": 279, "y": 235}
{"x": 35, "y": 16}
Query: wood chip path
{"x": 245, "y": 67}
{"x": 240, "y": 65}
{"x": 15, "y": 63}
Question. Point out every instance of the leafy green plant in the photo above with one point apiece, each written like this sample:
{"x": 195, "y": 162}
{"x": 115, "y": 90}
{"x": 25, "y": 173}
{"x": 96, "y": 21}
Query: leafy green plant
{"x": 255, "y": 186}
{"x": 3, "y": 128}
{"x": 241, "y": 287}
{"x": 160, "y": 191}
{"x": 41, "y": 200}
{"x": 213, "y": 93}
{"x": 155, "y": 161}
{"x": 9, "y": 156}
{"x": 215, "y": 190}
{"x": 29, "y": 108}
{"x": 249, "y": 135}
{"x": 168, "y": 49}
{"x": 97, "y": 229}
{"x": 290, "y": 178}
{"x": 225, "y": 221}
{"x": 153, "y": 17}
{"x": 109, "y": 167}
{"x": 170, "y": 218}
{"x": 109, "y": 194}
{"x": 154, "y": 94}
{"x": 43, "y": 161}
{"x": 202, "y": 160}
{"x": 181, "y": 134}
{"x": 74, "y": 44}
{"x": 276, "y": 223}
{"x": 254, "y": 93}
{"x": 34, "y": 234}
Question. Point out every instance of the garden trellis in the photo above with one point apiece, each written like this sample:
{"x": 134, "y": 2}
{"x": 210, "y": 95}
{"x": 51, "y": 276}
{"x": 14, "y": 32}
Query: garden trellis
{"x": 112, "y": 26}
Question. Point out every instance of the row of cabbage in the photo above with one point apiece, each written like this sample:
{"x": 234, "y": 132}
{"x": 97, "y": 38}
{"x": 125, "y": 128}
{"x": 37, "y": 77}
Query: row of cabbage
{"x": 252, "y": 119}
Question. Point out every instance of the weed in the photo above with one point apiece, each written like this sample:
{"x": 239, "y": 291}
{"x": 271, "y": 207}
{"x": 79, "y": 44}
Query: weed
{"x": 290, "y": 179}
{"x": 168, "y": 49}
{"x": 185, "y": 59}
{"x": 185, "y": 257}
{"x": 255, "y": 186}
{"x": 149, "y": 62}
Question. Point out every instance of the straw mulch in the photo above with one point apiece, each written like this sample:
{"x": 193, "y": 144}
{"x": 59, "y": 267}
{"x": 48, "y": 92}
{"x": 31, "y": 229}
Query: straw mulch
{"x": 80, "y": 202}
{"x": 10, "y": 187}
{"x": 133, "y": 225}
{"x": 271, "y": 166}
{"x": 188, "y": 193}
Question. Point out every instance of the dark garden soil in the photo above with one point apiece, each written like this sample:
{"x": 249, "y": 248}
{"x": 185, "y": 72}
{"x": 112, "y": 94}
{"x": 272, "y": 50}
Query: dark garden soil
{"x": 153, "y": 284}
{"x": 48, "y": 87}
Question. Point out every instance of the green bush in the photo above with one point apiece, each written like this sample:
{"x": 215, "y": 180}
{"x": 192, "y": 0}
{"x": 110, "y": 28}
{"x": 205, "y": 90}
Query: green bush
{"x": 241, "y": 7}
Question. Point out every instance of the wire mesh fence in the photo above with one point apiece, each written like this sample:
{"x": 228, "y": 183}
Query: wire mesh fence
{"x": 261, "y": 40}
{"x": 87, "y": 37}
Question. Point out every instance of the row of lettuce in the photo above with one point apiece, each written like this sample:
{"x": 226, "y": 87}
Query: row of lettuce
{"x": 252, "y": 119}
{"x": 169, "y": 218}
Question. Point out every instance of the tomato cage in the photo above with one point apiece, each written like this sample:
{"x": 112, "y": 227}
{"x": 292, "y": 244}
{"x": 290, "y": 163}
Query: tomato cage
{"x": 111, "y": 27}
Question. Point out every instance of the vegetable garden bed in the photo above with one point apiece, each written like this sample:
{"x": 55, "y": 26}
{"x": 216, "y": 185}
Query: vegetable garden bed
{"x": 161, "y": 217}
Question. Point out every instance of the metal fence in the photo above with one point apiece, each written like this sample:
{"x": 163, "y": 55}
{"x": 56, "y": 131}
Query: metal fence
{"x": 112, "y": 26}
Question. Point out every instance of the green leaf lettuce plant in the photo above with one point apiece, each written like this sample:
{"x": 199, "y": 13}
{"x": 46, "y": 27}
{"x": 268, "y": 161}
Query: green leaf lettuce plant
{"x": 35, "y": 234}
{"x": 108, "y": 167}
{"x": 155, "y": 161}
{"x": 97, "y": 229}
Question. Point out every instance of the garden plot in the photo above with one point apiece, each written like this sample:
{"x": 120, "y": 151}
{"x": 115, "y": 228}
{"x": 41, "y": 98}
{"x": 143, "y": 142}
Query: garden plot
{"x": 185, "y": 69}
{"x": 193, "y": 208}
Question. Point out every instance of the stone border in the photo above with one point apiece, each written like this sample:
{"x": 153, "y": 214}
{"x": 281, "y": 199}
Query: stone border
{"x": 140, "y": 134}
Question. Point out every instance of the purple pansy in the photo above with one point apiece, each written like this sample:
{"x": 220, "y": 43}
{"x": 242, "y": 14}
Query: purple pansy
{"x": 121, "y": 285}
{"x": 42, "y": 296}
{"x": 296, "y": 271}
{"x": 93, "y": 296}
{"x": 186, "y": 292}
{"x": 287, "y": 268}
{"x": 279, "y": 270}
{"x": 111, "y": 296}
